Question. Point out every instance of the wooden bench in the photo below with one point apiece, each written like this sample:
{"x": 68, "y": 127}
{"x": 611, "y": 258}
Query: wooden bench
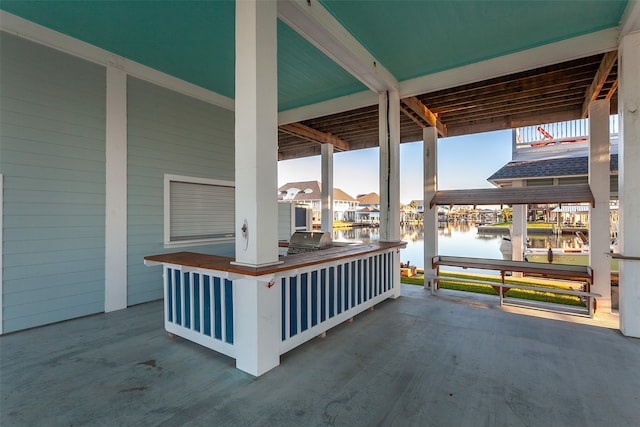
{"x": 576, "y": 273}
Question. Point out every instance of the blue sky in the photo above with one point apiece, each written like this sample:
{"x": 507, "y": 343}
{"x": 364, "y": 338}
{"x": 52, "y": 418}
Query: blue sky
{"x": 463, "y": 162}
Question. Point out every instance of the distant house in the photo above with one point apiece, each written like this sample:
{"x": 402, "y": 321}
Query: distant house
{"x": 309, "y": 193}
{"x": 412, "y": 212}
{"x": 555, "y": 161}
{"x": 369, "y": 211}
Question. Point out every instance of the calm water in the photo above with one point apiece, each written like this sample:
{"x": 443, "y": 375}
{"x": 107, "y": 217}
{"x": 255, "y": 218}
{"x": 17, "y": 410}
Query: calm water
{"x": 455, "y": 239}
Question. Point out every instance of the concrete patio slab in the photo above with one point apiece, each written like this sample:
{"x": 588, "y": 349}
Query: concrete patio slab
{"x": 420, "y": 360}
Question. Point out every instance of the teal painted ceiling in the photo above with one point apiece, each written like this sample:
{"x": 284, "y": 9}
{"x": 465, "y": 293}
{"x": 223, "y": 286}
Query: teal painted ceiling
{"x": 194, "y": 40}
{"x": 416, "y": 38}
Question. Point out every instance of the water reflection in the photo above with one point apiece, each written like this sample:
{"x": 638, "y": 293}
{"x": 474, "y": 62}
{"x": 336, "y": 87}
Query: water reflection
{"x": 455, "y": 239}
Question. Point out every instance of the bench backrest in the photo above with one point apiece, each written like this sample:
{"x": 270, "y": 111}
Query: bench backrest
{"x": 551, "y": 270}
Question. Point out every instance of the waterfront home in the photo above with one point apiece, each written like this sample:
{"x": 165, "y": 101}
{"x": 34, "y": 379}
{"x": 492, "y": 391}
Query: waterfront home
{"x": 369, "y": 212}
{"x": 559, "y": 154}
{"x": 309, "y": 193}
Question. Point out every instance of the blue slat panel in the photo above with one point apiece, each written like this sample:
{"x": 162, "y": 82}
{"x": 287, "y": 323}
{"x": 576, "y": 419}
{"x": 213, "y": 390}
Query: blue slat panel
{"x": 323, "y": 294}
{"x": 169, "y": 296}
{"x": 207, "y": 306}
{"x": 217, "y": 308}
{"x": 283, "y": 307}
{"x": 187, "y": 300}
{"x": 293, "y": 304}
{"x": 339, "y": 290}
{"x": 304, "y": 298}
{"x": 332, "y": 291}
{"x": 196, "y": 302}
{"x": 314, "y": 298}
{"x": 228, "y": 293}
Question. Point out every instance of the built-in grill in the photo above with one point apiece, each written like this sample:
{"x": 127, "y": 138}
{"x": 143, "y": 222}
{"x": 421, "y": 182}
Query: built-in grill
{"x": 308, "y": 241}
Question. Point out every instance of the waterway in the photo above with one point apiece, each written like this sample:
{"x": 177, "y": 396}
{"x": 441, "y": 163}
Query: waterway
{"x": 455, "y": 239}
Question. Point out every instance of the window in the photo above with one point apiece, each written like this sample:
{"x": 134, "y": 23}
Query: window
{"x": 198, "y": 211}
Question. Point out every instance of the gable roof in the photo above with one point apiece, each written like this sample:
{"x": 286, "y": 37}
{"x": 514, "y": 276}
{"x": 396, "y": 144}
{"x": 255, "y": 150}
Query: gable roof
{"x": 309, "y": 190}
{"x": 369, "y": 199}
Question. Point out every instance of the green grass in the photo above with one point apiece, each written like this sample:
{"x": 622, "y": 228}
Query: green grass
{"x": 488, "y": 290}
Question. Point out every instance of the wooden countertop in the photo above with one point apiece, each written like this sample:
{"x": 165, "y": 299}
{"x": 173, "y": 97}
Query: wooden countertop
{"x": 290, "y": 262}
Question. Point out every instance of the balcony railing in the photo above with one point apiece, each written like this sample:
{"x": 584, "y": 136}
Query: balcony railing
{"x": 571, "y": 131}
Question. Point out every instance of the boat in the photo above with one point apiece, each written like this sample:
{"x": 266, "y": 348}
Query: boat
{"x": 571, "y": 256}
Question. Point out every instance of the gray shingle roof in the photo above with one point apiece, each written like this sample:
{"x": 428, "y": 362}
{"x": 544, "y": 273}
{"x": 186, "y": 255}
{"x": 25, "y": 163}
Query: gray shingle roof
{"x": 567, "y": 166}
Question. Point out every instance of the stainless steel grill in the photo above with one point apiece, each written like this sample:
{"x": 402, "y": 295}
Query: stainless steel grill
{"x": 308, "y": 241}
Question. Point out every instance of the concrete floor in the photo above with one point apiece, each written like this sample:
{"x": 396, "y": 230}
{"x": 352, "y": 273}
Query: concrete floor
{"x": 417, "y": 361}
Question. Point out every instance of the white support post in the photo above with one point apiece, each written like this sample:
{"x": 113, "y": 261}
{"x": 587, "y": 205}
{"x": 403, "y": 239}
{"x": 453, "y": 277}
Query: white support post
{"x": 518, "y": 231}
{"x": 389, "y": 131}
{"x": 257, "y": 305}
{"x": 429, "y": 148}
{"x": 327, "y": 188}
{"x": 599, "y": 160}
{"x": 257, "y": 322}
{"x": 629, "y": 182}
{"x": 256, "y": 130}
{"x": 115, "y": 269}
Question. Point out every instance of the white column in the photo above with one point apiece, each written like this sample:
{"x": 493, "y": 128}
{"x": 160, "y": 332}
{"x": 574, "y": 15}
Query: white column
{"x": 389, "y": 130}
{"x": 257, "y": 322}
{"x": 327, "y": 188}
{"x": 599, "y": 215}
{"x": 257, "y": 306}
{"x": 429, "y": 148}
{"x": 256, "y": 133}
{"x": 518, "y": 230}
{"x": 629, "y": 182}
{"x": 115, "y": 268}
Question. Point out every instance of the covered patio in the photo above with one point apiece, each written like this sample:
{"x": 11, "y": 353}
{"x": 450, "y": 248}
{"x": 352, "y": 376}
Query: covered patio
{"x": 112, "y": 125}
{"x": 417, "y": 360}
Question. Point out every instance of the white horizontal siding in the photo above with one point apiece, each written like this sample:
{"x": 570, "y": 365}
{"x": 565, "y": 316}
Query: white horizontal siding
{"x": 168, "y": 133}
{"x": 52, "y": 109}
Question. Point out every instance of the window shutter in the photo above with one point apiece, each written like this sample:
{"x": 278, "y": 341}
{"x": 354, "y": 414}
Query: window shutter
{"x": 201, "y": 211}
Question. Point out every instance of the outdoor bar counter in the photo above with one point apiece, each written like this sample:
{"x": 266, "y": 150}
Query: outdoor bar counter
{"x": 257, "y": 314}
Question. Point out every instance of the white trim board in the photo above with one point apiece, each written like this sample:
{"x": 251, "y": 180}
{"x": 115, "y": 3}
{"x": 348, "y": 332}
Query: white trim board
{"x": 115, "y": 295}
{"x": 45, "y": 36}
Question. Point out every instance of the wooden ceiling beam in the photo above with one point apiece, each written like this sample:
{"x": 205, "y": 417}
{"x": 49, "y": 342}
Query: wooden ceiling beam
{"x": 612, "y": 90}
{"x": 608, "y": 61}
{"x": 310, "y": 134}
{"x": 425, "y": 114}
{"x": 410, "y": 114}
{"x": 519, "y": 88}
{"x": 518, "y": 82}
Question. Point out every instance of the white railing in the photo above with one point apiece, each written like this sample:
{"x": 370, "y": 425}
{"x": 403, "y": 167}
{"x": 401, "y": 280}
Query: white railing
{"x": 198, "y": 305}
{"x": 559, "y": 133}
{"x": 316, "y": 299}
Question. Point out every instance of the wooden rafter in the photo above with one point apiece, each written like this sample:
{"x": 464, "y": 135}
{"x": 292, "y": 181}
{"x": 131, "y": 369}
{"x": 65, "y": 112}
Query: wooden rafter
{"x": 612, "y": 90}
{"x": 313, "y": 135}
{"x": 425, "y": 114}
{"x": 410, "y": 114}
{"x": 608, "y": 61}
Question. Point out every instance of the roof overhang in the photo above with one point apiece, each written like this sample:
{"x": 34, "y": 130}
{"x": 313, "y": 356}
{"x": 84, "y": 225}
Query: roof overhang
{"x": 579, "y": 193}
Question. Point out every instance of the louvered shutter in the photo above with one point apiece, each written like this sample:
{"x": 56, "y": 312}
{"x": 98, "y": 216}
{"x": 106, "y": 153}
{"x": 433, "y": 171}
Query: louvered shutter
{"x": 201, "y": 211}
